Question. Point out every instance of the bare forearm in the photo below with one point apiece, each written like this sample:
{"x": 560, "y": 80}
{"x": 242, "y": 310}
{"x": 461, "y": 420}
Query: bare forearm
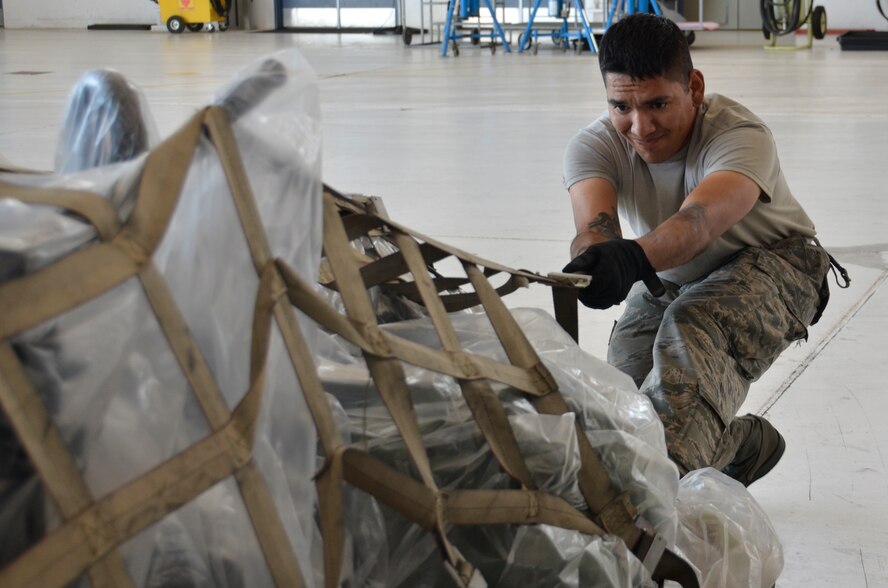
{"x": 679, "y": 239}
{"x": 604, "y": 227}
{"x": 721, "y": 200}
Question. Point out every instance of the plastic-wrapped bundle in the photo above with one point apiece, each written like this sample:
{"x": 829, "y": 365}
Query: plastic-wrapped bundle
{"x": 107, "y": 121}
{"x": 619, "y": 422}
{"x": 712, "y": 510}
{"x": 725, "y": 533}
{"x": 549, "y": 556}
{"x": 104, "y": 370}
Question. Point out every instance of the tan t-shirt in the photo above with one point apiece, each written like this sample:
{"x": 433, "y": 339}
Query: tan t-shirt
{"x": 726, "y": 136}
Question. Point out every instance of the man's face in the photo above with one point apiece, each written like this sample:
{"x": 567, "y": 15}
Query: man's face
{"x": 655, "y": 115}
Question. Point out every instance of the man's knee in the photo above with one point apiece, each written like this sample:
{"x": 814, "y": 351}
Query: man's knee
{"x": 693, "y": 440}
{"x": 695, "y": 428}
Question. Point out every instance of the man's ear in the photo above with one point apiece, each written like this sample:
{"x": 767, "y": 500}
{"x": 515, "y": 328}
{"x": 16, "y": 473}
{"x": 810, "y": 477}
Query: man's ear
{"x": 697, "y": 86}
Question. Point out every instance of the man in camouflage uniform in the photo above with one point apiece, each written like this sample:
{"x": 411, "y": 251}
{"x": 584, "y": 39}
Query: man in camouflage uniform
{"x": 740, "y": 273}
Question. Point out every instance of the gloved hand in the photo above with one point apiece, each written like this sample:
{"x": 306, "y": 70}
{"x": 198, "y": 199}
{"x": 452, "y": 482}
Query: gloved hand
{"x": 615, "y": 266}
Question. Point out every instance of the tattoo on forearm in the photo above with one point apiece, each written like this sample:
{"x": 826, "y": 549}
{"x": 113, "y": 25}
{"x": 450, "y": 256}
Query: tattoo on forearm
{"x": 695, "y": 215}
{"x": 605, "y": 225}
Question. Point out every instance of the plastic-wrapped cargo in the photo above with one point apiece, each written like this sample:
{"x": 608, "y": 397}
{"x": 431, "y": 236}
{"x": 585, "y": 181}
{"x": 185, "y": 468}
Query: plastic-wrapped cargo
{"x": 107, "y": 121}
{"x": 123, "y": 400}
{"x": 104, "y": 369}
{"x": 712, "y": 520}
{"x": 725, "y": 533}
{"x": 619, "y": 422}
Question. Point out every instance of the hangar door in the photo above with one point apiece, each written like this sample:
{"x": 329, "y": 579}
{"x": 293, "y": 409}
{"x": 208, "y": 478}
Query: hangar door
{"x": 353, "y": 14}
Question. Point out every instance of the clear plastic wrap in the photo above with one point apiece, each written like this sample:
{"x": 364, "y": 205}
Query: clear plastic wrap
{"x": 725, "y": 534}
{"x": 548, "y": 556}
{"x": 107, "y": 121}
{"x": 619, "y": 422}
{"x": 387, "y": 307}
{"x": 104, "y": 370}
{"x": 33, "y": 236}
{"x": 715, "y": 521}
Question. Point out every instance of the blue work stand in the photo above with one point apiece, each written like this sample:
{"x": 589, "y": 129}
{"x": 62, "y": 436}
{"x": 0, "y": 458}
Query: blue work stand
{"x": 529, "y": 39}
{"x": 631, "y": 7}
{"x": 469, "y": 9}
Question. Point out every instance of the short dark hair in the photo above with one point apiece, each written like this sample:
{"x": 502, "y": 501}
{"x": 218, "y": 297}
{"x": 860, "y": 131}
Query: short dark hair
{"x": 645, "y": 46}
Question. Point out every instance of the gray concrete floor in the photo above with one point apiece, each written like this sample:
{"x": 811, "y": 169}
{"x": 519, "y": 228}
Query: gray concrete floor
{"x": 468, "y": 150}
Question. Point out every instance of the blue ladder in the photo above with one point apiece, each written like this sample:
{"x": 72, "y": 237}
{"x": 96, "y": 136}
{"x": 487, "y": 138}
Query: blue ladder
{"x": 530, "y": 37}
{"x": 631, "y": 7}
{"x": 470, "y": 8}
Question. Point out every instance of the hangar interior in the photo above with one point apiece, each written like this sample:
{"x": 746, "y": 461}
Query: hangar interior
{"x": 468, "y": 150}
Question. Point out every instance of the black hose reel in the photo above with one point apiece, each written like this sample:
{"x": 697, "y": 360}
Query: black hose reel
{"x": 783, "y": 17}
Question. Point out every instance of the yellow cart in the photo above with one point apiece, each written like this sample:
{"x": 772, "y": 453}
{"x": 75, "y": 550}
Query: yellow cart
{"x": 193, "y": 14}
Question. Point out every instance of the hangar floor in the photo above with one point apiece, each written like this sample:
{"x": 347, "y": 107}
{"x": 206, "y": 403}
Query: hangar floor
{"x": 468, "y": 150}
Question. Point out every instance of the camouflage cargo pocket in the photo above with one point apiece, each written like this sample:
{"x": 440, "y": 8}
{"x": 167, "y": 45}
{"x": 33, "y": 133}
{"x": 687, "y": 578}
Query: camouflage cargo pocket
{"x": 798, "y": 268}
{"x": 785, "y": 294}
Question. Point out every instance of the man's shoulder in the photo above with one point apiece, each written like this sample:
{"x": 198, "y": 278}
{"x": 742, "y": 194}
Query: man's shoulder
{"x": 725, "y": 112}
{"x": 599, "y": 132}
{"x": 600, "y": 126}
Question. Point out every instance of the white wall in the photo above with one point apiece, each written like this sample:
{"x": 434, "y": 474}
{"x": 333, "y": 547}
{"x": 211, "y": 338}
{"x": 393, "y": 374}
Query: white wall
{"x": 75, "y": 14}
{"x": 850, "y": 14}
{"x": 841, "y": 14}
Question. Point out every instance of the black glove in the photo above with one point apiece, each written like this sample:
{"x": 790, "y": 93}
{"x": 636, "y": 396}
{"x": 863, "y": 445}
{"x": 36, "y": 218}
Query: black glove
{"x": 615, "y": 266}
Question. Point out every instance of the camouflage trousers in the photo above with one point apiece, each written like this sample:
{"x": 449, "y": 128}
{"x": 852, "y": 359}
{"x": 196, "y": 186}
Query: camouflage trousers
{"x": 695, "y": 351}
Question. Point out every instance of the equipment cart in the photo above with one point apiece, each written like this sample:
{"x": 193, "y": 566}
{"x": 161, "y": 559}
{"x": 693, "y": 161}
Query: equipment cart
{"x": 194, "y": 14}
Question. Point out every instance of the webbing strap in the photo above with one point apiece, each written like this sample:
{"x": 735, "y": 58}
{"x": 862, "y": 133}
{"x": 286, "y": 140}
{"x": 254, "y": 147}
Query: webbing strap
{"x": 564, "y": 301}
{"x": 48, "y": 453}
{"x": 251, "y": 222}
{"x": 614, "y": 510}
{"x": 257, "y": 498}
{"x": 88, "y": 273}
{"x": 490, "y": 416}
{"x": 615, "y": 513}
{"x": 394, "y": 265}
{"x": 459, "y": 507}
{"x": 357, "y": 225}
{"x": 461, "y": 301}
{"x": 386, "y": 372}
{"x": 260, "y": 250}
{"x": 378, "y": 271}
{"x": 95, "y": 531}
{"x": 347, "y": 204}
{"x": 331, "y": 516}
{"x": 61, "y": 286}
{"x": 381, "y": 343}
{"x": 73, "y": 280}
{"x": 92, "y": 207}
{"x": 136, "y": 242}
{"x": 329, "y": 494}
